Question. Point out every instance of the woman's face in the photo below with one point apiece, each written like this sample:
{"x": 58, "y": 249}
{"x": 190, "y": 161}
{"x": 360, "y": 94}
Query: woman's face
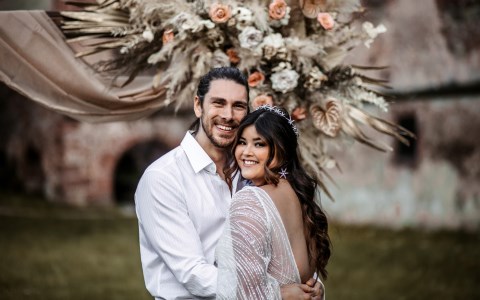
{"x": 251, "y": 154}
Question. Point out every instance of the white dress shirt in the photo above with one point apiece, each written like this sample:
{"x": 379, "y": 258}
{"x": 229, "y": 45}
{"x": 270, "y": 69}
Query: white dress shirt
{"x": 181, "y": 204}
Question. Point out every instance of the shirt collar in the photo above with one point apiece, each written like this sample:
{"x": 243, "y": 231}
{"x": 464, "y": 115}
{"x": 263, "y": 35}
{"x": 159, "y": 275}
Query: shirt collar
{"x": 197, "y": 157}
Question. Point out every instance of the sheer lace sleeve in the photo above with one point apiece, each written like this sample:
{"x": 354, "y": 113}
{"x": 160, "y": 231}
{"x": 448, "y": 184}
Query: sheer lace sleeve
{"x": 244, "y": 252}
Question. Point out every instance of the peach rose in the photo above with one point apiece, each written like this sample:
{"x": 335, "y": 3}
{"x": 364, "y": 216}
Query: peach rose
{"x": 220, "y": 13}
{"x": 326, "y": 20}
{"x": 168, "y": 36}
{"x": 277, "y": 9}
{"x": 299, "y": 113}
{"x": 255, "y": 79}
{"x": 233, "y": 56}
{"x": 262, "y": 100}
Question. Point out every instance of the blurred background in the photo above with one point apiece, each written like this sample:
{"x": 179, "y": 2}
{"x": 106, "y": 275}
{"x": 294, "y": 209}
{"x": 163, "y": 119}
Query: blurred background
{"x": 404, "y": 225}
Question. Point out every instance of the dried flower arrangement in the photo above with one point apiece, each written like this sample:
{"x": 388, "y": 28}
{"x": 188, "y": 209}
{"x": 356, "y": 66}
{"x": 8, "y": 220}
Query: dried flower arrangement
{"x": 292, "y": 52}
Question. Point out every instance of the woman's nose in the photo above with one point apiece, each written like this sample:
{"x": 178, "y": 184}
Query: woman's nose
{"x": 247, "y": 150}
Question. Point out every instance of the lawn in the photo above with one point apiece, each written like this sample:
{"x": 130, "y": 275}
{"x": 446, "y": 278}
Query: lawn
{"x": 54, "y": 252}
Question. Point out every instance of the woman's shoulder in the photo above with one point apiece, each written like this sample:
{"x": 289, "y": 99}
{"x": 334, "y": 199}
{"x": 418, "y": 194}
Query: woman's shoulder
{"x": 246, "y": 193}
{"x": 250, "y": 196}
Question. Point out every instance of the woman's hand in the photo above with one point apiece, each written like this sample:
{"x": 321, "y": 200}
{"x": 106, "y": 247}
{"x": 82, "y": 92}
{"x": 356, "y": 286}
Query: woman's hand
{"x": 318, "y": 288}
{"x": 297, "y": 292}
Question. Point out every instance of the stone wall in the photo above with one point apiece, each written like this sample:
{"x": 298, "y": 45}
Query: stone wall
{"x": 429, "y": 44}
{"x": 435, "y": 184}
{"x": 69, "y": 161}
{"x": 433, "y": 52}
{"x": 432, "y": 49}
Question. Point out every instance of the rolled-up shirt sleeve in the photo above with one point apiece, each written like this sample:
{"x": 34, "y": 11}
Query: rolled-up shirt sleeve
{"x": 169, "y": 232}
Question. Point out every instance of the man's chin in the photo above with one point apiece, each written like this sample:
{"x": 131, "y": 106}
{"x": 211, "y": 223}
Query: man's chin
{"x": 222, "y": 142}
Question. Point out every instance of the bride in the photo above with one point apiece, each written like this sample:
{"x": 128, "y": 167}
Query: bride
{"x": 276, "y": 235}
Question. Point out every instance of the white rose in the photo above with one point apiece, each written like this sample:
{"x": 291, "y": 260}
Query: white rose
{"x": 284, "y": 81}
{"x": 250, "y": 37}
{"x": 244, "y": 18}
{"x": 271, "y": 44}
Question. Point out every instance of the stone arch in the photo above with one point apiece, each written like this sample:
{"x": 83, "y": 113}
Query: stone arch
{"x": 112, "y": 141}
{"x": 131, "y": 165}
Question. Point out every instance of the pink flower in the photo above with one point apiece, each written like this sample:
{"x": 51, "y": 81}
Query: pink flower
{"x": 277, "y": 9}
{"x": 233, "y": 56}
{"x": 299, "y": 113}
{"x": 255, "y": 79}
{"x": 168, "y": 36}
{"x": 262, "y": 100}
{"x": 326, "y": 20}
{"x": 220, "y": 13}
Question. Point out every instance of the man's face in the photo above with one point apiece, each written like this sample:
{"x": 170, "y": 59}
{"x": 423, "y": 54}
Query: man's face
{"x": 224, "y": 106}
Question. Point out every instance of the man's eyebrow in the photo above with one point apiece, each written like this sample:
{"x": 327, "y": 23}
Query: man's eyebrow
{"x": 218, "y": 98}
{"x": 243, "y": 102}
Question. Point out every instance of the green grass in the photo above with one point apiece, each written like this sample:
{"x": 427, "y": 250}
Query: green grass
{"x": 55, "y": 252}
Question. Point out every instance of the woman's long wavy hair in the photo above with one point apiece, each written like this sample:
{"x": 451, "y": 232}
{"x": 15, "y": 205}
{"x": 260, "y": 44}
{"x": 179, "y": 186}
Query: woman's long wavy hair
{"x": 282, "y": 140}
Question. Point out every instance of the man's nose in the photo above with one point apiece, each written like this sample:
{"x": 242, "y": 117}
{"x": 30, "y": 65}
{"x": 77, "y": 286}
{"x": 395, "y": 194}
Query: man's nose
{"x": 227, "y": 113}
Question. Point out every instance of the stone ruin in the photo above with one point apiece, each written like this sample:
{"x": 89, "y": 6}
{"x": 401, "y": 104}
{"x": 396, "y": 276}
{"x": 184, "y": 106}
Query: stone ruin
{"x": 432, "y": 49}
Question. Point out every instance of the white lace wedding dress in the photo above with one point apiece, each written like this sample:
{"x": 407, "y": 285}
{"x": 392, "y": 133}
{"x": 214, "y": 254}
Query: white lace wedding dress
{"x": 254, "y": 256}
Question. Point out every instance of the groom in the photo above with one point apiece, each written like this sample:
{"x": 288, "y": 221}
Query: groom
{"x": 182, "y": 199}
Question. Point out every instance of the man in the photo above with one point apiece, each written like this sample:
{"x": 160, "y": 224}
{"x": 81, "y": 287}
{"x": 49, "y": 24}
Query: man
{"x": 182, "y": 199}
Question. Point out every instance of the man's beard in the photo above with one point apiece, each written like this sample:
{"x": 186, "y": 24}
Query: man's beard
{"x": 211, "y": 137}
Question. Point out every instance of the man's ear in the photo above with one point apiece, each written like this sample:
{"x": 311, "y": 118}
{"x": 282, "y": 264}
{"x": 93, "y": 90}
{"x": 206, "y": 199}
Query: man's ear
{"x": 197, "y": 107}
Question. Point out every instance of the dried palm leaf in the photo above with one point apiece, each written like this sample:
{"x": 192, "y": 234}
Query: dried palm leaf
{"x": 380, "y": 125}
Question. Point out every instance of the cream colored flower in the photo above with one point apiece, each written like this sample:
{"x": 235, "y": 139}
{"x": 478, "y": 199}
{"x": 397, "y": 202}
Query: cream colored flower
{"x": 282, "y": 66}
{"x": 372, "y": 32}
{"x": 243, "y": 17}
{"x": 262, "y": 100}
{"x": 326, "y": 20}
{"x": 284, "y": 81}
{"x": 277, "y": 9}
{"x": 283, "y": 54}
{"x": 148, "y": 35}
{"x": 250, "y": 37}
{"x": 314, "y": 79}
{"x": 271, "y": 43}
{"x": 220, "y": 13}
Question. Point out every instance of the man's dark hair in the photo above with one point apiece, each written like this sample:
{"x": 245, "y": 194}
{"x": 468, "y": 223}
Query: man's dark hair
{"x": 227, "y": 73}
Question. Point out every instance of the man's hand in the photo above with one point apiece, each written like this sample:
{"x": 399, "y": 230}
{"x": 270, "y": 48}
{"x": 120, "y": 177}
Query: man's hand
{"x": 296, "y": 292}
{"x": 317, "y": 287}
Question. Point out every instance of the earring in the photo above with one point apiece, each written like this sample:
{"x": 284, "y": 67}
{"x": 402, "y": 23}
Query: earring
{"x": 283, "y": 173}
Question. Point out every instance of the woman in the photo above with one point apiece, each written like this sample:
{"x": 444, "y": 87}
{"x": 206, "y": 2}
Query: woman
{"x": 276, "y": 234}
